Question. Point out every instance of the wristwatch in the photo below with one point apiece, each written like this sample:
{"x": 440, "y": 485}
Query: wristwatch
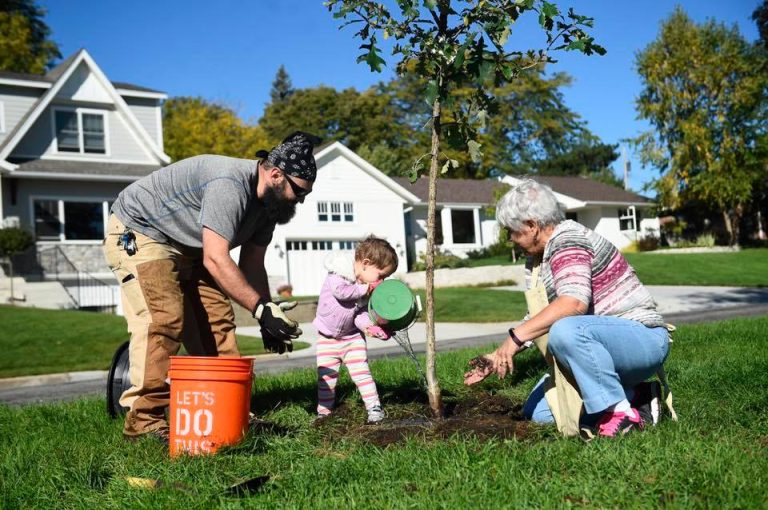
{"x": 518, "y": 342}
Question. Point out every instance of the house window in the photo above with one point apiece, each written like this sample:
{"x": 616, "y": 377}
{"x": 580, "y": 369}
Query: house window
{"x": 296, "y": 245}
{"x": 79, "y": 131}
{"x": 347, "y": 245}
{"x": 321, "y": 245}
{"x": 63, "y": 220}
{"x": 322, "y": 211}
{"x": 335, "y": 211}
{"x": 627, "y": 219}
{"x": 463, "y": 223}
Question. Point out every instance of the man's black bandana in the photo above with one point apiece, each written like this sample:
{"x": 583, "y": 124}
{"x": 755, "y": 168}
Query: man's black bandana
{"x": 294, "y": 155}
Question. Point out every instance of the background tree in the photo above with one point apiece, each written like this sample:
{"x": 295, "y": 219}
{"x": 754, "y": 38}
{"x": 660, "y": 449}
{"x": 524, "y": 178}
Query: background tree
{"x": 704, "y": 96}
{"x": 282, "y": 87}
{"x": 12, "y": 241}
{"x": 193, "y": 126}
{"x": 25, "y": 46}
{"x": 456, "y": 45}
{"x": 760, "y": 17}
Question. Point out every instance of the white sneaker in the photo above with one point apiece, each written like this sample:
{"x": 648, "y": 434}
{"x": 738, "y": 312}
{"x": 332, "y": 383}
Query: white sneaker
{"x": 376, "y": 414}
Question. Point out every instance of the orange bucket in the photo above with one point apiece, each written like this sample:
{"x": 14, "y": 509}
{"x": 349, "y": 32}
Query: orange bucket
{"x": 210, "y": 402}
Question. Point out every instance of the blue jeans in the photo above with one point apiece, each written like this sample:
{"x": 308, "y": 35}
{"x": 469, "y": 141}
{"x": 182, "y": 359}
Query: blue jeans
{"x": 607, "y": 356}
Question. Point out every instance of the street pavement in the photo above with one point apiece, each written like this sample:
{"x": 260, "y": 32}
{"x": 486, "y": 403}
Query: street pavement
{"x": 679, "y": 305}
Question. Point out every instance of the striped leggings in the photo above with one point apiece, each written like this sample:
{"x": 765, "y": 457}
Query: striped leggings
{"x": 331, "y": 353}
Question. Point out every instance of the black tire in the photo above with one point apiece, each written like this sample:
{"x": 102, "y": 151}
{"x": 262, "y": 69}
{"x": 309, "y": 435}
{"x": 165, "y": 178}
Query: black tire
{"x": 118, "y": 380}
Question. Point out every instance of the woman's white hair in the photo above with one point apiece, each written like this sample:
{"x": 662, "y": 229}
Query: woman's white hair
{"x": 528, "y": 201}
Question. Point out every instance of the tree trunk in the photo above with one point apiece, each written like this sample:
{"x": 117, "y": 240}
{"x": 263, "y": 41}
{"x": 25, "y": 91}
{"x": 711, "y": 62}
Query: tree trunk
{"x": 728, "y": 226}
{"x": 433, "y": 387}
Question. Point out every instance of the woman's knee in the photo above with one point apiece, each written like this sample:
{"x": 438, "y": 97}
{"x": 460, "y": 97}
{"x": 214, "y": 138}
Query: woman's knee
{"x": 561, "y": 335}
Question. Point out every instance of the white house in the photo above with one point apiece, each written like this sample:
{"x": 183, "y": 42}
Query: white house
{"x": 70, "y": 141}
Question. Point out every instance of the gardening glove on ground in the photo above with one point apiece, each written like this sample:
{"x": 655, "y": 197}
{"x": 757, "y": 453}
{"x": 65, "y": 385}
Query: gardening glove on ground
{"x": 378, "y": 332}
{"x": 273, "y": 320}
{"x": 481, "y": 367}
{"x": 275, "y": 344}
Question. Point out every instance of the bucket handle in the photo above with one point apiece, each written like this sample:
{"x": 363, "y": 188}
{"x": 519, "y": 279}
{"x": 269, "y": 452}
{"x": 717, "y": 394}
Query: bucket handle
{"x": 418, "y": 305}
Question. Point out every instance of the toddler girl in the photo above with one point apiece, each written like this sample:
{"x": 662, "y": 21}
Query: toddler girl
{"x": 342, "y": 319}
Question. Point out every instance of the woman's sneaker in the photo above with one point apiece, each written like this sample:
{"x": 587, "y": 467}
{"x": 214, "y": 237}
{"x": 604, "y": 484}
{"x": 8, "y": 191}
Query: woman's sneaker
{"x": 614, "y": 424}
{"x": 376, "y": 414}
{"x": 647, "y": 401}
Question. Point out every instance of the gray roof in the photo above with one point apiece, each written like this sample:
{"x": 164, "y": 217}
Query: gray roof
{"x": 86, "y": 168}
{"x": 469, "y": 191}
{"x": 461, "y": 191}
{"x": 55, "y": 73}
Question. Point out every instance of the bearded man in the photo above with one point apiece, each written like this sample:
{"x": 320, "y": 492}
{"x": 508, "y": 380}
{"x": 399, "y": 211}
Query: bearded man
{"x": 168, "y": 243}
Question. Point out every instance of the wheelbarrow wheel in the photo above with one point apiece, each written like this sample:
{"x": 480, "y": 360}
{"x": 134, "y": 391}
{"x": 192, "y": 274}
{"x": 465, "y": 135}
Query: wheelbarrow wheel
{"x": 118, "y": 380}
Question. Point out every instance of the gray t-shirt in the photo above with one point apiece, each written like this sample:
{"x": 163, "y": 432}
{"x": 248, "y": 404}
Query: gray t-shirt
{"x": 174, "y": 203}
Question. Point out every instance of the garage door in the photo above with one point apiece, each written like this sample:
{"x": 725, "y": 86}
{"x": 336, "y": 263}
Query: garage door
{"x": 306, "y": 271}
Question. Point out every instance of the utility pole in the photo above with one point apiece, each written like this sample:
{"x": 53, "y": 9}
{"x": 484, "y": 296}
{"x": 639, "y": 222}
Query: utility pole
{"x": 627, "y": 166}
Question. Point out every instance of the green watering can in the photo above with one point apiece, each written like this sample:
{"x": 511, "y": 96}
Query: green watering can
{"x": 393, "y": 306}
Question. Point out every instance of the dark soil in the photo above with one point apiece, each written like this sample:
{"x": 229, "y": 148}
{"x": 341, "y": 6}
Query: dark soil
{"x": 476, "y": 414}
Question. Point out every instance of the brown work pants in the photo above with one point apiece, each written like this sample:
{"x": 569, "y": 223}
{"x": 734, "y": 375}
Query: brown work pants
{"x": 168, "y": 299}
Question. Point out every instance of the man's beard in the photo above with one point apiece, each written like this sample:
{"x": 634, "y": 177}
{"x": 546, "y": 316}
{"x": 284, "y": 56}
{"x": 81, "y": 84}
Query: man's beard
{"x": 278, "y": 208}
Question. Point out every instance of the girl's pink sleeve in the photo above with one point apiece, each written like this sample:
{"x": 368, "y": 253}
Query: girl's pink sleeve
{"x": 344, "y": 290}
{"x": 363, "y": 320}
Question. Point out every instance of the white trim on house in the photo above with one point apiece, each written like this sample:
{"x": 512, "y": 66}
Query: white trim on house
{"x": 2, "y": 117}
{"x": 79, "y": 111}
{"x": 25, "y": 83}
{"x": 63, "y": 157}
{"x": 119, "y": 102}
{"x": 76, "y": 177}
{"x": 141, "y": 93}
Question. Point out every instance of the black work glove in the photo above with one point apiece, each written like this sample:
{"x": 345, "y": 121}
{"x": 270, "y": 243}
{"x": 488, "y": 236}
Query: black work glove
{"x": 275, "y": 344}
{"x": 273, "y": 320}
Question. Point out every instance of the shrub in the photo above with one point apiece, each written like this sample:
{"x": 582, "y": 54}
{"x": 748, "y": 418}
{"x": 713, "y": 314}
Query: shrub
{"x": 705, "y": 240}
{"x": 442, "y": 260}
{"x": 14, "y": 240}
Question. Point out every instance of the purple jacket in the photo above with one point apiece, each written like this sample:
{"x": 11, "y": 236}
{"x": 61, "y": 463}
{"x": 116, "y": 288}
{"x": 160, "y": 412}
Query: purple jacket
{"x": 342, "y": 309}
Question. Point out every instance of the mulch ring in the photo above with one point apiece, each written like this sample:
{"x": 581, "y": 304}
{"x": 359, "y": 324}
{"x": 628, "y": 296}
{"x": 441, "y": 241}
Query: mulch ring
{"x": 479, "y": 415}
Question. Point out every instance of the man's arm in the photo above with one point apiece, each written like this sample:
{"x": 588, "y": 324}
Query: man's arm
{"x": 230, "y": 278}
{"x": 252, "y": 266}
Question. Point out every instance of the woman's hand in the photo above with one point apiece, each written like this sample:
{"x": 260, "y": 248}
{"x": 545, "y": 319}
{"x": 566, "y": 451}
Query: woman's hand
{"x": 502, "y": 358}
{"x": 481, "y": 367}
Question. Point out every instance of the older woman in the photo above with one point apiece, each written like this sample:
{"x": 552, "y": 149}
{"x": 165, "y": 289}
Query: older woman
{"x": 602, "y": 323}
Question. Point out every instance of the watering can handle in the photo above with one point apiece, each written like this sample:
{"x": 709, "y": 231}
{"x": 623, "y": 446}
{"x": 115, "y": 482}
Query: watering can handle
{"x": 418, "y": 304}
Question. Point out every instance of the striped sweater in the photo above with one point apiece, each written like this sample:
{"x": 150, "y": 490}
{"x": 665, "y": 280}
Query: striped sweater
{"x": 579, "y": 263}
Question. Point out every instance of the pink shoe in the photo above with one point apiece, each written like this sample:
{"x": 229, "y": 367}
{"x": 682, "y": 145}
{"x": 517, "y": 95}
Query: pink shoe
{"x": 617, "y": 424}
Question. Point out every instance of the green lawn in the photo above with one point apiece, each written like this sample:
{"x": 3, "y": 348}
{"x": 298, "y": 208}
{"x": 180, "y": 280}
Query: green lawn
{"x": 745, "y": 268}
{"x": 72, "y": 455}
{"x": 37, "y": 341}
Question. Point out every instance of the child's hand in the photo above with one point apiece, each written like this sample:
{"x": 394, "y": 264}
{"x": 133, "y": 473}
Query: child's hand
{"x": 378, "y": 332}
{"x": 373, "y": 285}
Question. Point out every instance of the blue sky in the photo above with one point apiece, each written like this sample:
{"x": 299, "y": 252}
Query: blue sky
{"x": 229, "y": 50}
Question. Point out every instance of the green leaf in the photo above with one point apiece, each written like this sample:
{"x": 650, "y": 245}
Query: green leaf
{"x": 450, "y": 163}
{"x": 475, "y": 153}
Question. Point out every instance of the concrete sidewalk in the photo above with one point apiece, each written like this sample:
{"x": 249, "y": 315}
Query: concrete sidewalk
{"x": 712, "y": 303}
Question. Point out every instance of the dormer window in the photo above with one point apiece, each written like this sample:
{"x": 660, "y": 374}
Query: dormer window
{"x": 80, "y": 131}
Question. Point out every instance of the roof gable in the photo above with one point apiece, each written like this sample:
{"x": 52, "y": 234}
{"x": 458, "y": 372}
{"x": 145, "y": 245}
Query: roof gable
{"x": 326, "y": 153}
{"x": 78, "y": 78}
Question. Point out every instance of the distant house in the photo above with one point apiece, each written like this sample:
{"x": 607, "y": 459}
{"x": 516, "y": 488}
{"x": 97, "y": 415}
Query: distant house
{"x": 351, "y": 199}
{"x": 70, "y": 141}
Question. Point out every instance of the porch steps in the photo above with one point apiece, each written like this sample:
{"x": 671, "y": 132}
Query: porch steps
{"x": 35, "y": 294}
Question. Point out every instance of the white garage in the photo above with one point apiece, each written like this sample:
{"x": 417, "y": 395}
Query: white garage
{"x": 306, "y": 271}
